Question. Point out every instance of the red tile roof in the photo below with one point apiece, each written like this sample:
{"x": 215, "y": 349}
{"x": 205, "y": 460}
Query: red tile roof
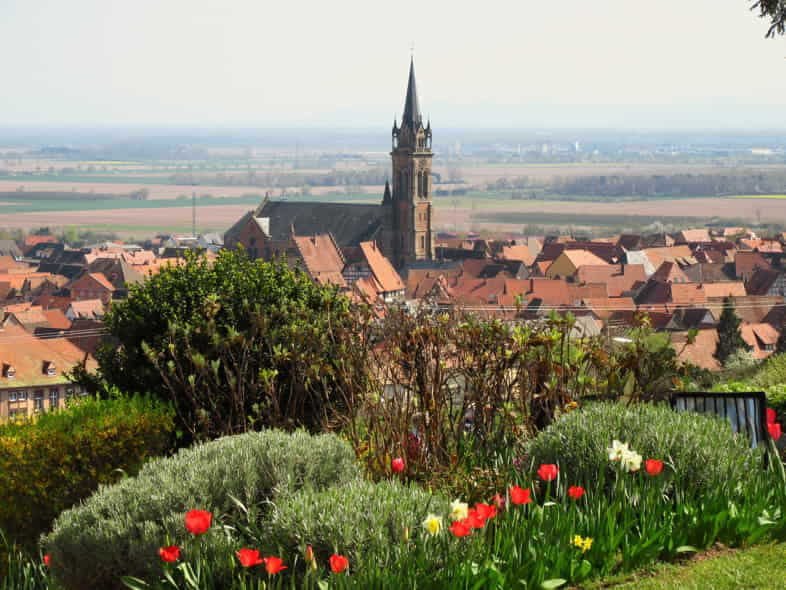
{"x": 701, "y": 352}
{"x": 687, "y": 293}
{"x": 87, "y": 308}
{"x": 387, "y": 277}
{"x": 322, "y": 258}
{"x": 669, "y": 272}
{"x": 745, "y": 263}
{"x": 725, "y": 289}
{"x": 27, "y": 354}
{"x": 518, "y": 252}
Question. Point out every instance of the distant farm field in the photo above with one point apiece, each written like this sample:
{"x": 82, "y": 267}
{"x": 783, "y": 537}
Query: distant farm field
{"x": 149, "y": 217}
{"x": 758, "y": 197}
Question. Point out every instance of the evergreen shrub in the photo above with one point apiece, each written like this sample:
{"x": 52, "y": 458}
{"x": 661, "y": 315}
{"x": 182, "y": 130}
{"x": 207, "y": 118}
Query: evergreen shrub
{"x": 358, "y": 519}
{"x": 119, "y": 530}
{"x": 701, "y": 452}
{"x": 52, "y": 462}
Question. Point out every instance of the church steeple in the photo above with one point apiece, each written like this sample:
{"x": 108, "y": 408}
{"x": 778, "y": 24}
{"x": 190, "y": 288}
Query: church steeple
{"x": 412, "y": 238}
{"x": 412, "y": 117}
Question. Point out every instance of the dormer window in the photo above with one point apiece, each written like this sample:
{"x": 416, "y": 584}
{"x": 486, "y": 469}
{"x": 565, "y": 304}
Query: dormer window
{"x": 8, "y": 371}
{"x": 50, "y": 369}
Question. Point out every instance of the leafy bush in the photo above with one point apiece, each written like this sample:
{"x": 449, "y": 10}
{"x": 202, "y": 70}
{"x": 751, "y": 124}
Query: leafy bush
{"x": 702, "y": 451}
{"x": 772, "y": 372}
{"x": 235, "y": 344}
{"x": 357, "y": 519}
{"x": 119, "y": 529}
{"x": 52, "y": 463}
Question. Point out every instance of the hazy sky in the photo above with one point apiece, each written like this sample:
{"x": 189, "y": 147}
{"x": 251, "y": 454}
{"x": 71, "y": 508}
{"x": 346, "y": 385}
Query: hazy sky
{"x": 532, "y": 63}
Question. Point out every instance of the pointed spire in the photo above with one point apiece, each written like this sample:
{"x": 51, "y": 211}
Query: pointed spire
{"x": 412, "y": 117}
{"x": 386, "y": 198}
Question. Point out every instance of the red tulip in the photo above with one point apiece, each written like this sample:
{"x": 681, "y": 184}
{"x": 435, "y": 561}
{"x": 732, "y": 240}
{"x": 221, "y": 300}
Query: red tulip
{"x": 575, "y": 492}
{"x": 770, "y": 416}
{"x": 273, "y": 565}
{"x": 519, "y": 495}
{"x": 169, "y": 554}
{"x": 486, "y": 511}
{"x": 198, "y": 521}
{"x": 47, "y": 560}
{"x": 653, "y": 466}
{"x": 249, "y": 557}
{"x": 338, "y": 563}
{"x": 775, "y": 430}
{"x": 548, "y": 472}
{"x": 459, "y": 529}
{"x": 397, "y": 464}
{"x": 473, "y": 520}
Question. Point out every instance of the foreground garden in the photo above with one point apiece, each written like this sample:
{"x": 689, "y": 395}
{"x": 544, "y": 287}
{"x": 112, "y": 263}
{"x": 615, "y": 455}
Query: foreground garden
{"x": 275, "y": 453}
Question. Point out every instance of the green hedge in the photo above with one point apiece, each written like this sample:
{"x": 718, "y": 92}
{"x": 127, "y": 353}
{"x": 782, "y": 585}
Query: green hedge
{"x": 701, "y": 452}
{"x": 119, "y": 529}
{"x": 50, "y": 464}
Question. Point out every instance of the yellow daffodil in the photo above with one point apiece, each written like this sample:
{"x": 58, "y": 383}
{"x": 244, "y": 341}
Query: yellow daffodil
{"x": 433, "y": 524}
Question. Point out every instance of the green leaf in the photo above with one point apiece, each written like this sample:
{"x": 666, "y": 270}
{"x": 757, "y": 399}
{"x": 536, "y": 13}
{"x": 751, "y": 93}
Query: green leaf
{"x": 553, "y": 583}
{"x": 686, "y": 549}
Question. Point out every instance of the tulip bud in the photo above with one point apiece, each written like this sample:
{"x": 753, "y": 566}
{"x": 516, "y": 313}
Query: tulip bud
{"x": 310, "y": 559}
{"x": 405, "y": 534}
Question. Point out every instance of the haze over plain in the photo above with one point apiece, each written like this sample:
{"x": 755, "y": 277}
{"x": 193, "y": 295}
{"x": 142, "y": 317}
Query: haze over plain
{"x": 600, "y": 64}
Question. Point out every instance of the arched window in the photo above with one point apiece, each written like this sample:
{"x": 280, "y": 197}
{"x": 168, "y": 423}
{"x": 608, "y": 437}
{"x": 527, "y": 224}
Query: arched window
{"x": 422, "y": 242}
{"x": 425, "y": 184}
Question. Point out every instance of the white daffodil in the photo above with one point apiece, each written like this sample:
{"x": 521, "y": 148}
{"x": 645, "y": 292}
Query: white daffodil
{"x": 458, "y": 510}
{"x": 631, "y": 461}
{"x": 617, "y": 450}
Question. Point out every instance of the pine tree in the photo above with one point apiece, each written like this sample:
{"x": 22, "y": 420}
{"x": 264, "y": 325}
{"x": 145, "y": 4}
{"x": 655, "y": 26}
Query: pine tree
{"x": 729, "y": 334}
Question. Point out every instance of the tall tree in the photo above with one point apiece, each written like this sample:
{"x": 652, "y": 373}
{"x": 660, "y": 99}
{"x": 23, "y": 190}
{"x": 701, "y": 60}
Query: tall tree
{"x": 729, "y": 335}
{"x": 775, "y": 10}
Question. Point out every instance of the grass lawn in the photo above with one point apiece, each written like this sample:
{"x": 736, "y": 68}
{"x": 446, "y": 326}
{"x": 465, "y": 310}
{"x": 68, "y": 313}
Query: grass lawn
{"x": 759, "y": 568}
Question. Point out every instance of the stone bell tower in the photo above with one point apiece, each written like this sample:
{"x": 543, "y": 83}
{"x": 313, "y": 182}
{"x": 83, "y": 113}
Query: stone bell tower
{"x": 411, "y": 236}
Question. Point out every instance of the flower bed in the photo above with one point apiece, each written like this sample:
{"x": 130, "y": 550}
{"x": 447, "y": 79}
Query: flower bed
{"x": 550, "y": 527}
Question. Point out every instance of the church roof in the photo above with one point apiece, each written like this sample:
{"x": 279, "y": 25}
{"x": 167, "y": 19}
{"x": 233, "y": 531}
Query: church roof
{"x": 349, "y": 223}
{"x": 412, "y": 117}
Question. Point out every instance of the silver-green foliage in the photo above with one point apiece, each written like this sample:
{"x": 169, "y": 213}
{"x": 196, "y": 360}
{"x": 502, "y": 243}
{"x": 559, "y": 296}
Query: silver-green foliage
{"x": 119, "y": 529}
{"x": 360, "y": 519}
{"x": 700, "y": 451}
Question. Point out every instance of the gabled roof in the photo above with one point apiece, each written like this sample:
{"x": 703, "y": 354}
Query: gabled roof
{"x": 761, "y": 281}
{"x": 98, "y": 278}
{"x": 87, "y": 308}
{"x": 383, "y": 271}
{"x": 581, "y": 258}
{"x": 27, "y": 354}
{"x": 669, "y": 272}
{"x": 518, "y": 252}
{"x": 348, "y": 223}
{"x": 745, "y": 263}
{"x": 725, "y": 289}
{"x": 322, "y": 259}
{"x": 701, "y": 352}
{"x": 116, "y": 271}
{"x": 687, "y": 293}
{"x": 695, "y": 235}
